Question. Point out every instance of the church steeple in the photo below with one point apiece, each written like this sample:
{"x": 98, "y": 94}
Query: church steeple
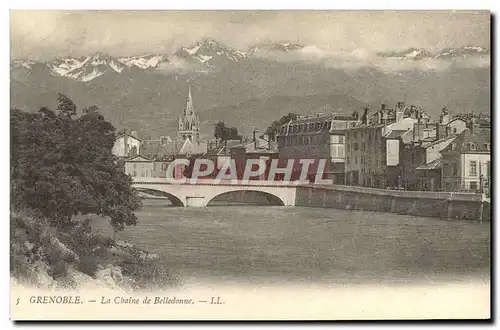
{"x": 189, "y": 123}
{"x": 189, "y": 104}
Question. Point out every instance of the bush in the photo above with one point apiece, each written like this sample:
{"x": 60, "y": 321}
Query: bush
{"x": 150, "y": 274}
{"x": 41, "y": 252}
{"x": 35, "y": 249}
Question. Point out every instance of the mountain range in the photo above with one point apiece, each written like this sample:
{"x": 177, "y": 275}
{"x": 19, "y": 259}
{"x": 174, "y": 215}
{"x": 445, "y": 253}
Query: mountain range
{"x": 250, "y": 88}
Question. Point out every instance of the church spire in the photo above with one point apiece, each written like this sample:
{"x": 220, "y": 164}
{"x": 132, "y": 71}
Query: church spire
{"x": 189, "y": 104}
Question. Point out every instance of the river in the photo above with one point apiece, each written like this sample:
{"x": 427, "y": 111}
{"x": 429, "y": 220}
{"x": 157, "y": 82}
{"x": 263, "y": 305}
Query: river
{"x": 273, "y": 244}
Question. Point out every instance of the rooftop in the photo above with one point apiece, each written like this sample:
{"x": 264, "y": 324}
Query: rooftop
{"x": 434, "y": 165}
{"x": 466, "y": 142}
{"x": 396, "y": 133}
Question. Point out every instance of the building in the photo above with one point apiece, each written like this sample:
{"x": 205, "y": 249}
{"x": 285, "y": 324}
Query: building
{"x": 316, "y": 137}
{"x": 421, "y": 162}
{"x": 139, "y": 166}
{"x": 220, "y": 152}
{"x": 373, "y": 147}
{"x": 262, "y": 148}
{"x": 466, "y": 161}
{"x": 127, "y": 145}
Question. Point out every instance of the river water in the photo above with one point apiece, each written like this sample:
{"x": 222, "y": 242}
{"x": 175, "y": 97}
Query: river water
{"x": 273, "y": 244}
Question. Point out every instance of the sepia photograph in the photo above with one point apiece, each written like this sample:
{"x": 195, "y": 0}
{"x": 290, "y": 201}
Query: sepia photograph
{"x": 250, "y": 164}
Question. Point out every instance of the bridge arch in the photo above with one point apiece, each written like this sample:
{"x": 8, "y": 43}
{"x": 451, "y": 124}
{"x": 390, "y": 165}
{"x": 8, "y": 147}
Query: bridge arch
{"x": 176, "y": 201}
{"x": 271, "y": 198}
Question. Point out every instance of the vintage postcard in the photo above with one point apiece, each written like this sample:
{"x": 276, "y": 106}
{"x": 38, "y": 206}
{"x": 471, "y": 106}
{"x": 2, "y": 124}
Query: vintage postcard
{"x": 250, "y": 165}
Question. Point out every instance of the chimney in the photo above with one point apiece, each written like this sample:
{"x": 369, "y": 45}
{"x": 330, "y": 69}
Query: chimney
{"x": 418, "y": 131}
{"x": 444, "y": 118}
{"x": 400, "y": 112}
{"x": 448, "y": 131}
{"x": 365, "y": 118}
{"x": 473, "y": 126}
{"x": 125, "y": 143}
{"x": 254, "y": 139}
{"x": 133, "y": 133}
{"x": 440, "y": 131}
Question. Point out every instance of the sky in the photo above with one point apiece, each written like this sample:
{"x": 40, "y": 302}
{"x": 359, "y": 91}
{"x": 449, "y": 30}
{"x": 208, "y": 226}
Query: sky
{"x": 44, "y": 35}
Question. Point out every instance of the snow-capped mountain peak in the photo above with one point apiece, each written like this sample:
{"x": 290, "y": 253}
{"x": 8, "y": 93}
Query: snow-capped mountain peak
{"x": 144, "y": 61}
{"x": 26, "y": 64}
{"x": 280, "y": 46}
{"x": 87, "y": 68}
{"x": 207, "y": 50}
{"x": 208, "y": 55}
{"x": 416, "y": 54}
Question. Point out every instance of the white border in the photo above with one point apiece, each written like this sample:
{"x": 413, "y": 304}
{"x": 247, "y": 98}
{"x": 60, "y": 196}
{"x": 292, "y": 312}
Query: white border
{"x": 213, "y": 4}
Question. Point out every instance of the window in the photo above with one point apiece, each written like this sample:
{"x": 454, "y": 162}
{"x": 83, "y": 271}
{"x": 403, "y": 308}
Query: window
{"x": 472, "y": 146}
{"x": 454, "y": 130}
{"x": 356, "y": 160}
{"x": 473, "y": 168}
{"x": 347, "y": 160}
{"x": 473, "y": 185}
{"x": 362, "y": 159}
{"x": 341, "y": 139}
{"x": 355, "y": 147}
{"x": 348, "y": 148}
{"x": 455, "y": 169}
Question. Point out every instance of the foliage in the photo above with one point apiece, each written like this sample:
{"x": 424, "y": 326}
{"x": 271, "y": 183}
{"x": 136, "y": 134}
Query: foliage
{"x": 149, "y": 274}
{"x": 481, "y": 118}
{"x": 273, "y": 130}
{"x": 41, "y": 255}
{"x": 223, "y": 133}
{"x": 35, "y": 249}
{"x": 62, "y": 165}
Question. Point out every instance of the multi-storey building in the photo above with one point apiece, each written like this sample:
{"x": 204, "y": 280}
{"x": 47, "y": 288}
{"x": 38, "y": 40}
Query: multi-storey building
{"x": 466, "y": 160}
{"x": 316, "y": 138}
{"x": 127, "y": 145}
{"x": 420, "y": 165}
{"x": 373, "y": 148}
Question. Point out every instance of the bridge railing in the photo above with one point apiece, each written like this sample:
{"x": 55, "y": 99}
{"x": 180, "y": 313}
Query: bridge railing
{"x": 217, "y": 182}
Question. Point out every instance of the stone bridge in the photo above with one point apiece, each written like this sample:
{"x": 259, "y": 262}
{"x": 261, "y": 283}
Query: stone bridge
{"x": 200, "y": 192}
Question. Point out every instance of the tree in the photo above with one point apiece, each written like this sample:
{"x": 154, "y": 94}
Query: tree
{"x": 66, "y": 107}
{"x": 220, "y": 130}
{"x": 273, "y": 130}
{"x": 481, "y": 118}
{"x": 224, "y": 133}
{"x": 62, "y": 166}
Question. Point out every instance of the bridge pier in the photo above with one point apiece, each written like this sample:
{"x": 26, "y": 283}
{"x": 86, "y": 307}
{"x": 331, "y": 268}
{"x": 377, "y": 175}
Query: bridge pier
{"x": 195, "y": 201}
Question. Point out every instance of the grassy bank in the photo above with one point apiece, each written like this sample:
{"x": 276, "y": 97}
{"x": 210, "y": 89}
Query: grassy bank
{"x": 44, "y": 256}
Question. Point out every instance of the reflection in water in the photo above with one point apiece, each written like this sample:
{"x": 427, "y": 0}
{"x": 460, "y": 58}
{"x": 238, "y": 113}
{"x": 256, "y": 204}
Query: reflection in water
{"x": 299, "y": 244}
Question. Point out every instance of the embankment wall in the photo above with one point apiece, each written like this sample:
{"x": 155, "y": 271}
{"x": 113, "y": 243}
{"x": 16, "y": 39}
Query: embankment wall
{"x": 444, "y": 205}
